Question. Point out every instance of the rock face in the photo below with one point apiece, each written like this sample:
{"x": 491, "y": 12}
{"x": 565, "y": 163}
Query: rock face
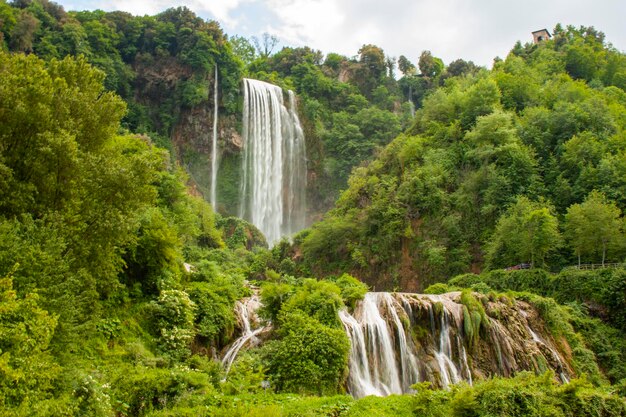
{"x": 191, "y": 138}
{"x": 399, "y": 339}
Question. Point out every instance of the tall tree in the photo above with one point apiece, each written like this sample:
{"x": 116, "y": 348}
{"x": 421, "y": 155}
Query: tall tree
{"x": 429, "y": 65}
{"x": 592, "y": 225}
{"x": 265, "y": 46}
{"x": 527, "y": 232}
{"x": 405, "y": 66}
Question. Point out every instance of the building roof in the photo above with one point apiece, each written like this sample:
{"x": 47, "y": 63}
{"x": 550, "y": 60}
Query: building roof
{"x": 542, "y": 30}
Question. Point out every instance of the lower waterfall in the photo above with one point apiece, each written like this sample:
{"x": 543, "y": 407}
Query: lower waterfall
{"x": 245, "y": 311}
{"x": 399, "y": 339}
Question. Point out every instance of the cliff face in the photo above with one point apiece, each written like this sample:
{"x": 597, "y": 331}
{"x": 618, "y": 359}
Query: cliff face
{"x": 191, "y": 139}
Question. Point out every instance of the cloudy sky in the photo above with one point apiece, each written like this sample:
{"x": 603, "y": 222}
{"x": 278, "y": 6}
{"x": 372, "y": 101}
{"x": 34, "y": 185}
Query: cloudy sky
{"x": 476, "y": 30}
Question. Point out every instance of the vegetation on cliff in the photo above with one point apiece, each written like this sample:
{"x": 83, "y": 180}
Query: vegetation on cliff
{"x": 520, "y": 164}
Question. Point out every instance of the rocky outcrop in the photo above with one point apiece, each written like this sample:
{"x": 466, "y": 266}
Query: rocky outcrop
{"x": 399, "y": 339}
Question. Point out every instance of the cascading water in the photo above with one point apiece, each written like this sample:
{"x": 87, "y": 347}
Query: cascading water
{"x": 214, "y": 154}
{"x": 274, "y": 162}
{"x": 400, "y": 339}
{"x": 245, "y": 310}
{"x": 541, "y": 343}
{"x": 447, "y": 369}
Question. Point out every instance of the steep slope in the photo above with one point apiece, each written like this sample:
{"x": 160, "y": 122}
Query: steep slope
{"x": 520, "y": 145}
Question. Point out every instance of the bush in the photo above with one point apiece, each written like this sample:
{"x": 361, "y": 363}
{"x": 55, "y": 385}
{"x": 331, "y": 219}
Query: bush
{"x": 174, "y": 316}
{"x": 214, "y": 316}
{"x": 521, "y": 396}
{"x": 308, "y": 358}
{"x": 141, "y": 390}
{"x": 439, "y": 288}
{"x": 352, "y": 290}
{"x": 319, "y": 299}
{"x": 604, "y": 290}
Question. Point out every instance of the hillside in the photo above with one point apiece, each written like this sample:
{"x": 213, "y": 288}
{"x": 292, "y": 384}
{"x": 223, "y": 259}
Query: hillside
{"x": 521, "y": 164}
{"x": 163, "y": 67}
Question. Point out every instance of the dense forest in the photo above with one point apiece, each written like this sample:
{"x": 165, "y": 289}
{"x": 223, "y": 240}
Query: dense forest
{"x": 119, "y": 283}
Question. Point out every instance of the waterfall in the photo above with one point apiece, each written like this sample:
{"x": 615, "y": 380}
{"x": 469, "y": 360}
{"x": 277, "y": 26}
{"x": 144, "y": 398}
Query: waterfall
{"x": 245, "y": 309}
{"x": 375, "y": 368}
{"x": 541, "y": 343}
{"x": 447, "y": 369}
{"x": 214, "y": 147}
{"x": 274, "y": 162}
{"x": 400, "y": 339}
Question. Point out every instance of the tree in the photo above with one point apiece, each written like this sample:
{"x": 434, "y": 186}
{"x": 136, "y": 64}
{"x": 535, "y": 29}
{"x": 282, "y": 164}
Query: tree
{"x": 23, "y": 32}
{"x": 527, "y": 232}
{"x": 461, "y": 67}
{"x": 265, "y": 45}
{"x": 592, "y": 225}
{"x": 27, "y": 370}
{"x": 309, "y": 357}
{"x": 405, "y": 66}
{"x": 374, "y": 59}
{"x": 429, "y": 65}
{"x": 243, "y": 49}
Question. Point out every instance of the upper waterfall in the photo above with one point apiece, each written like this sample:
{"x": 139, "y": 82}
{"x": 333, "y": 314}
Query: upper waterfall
{"x": 214, "y": 155}
{"x": 274, "y": 162}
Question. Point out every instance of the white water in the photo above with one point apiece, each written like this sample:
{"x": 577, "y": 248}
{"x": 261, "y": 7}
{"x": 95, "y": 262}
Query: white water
{"x": 244, "y": 309}
{"x": 385, "y": 359}
{"x": 214, "y": 155}
{"x": 447, "y": 369}
{"x": 555, "y": 355}
{"x": 274, "y": 162}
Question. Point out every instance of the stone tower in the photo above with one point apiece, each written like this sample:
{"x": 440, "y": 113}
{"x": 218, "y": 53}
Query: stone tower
{"x": 541, "y": 35}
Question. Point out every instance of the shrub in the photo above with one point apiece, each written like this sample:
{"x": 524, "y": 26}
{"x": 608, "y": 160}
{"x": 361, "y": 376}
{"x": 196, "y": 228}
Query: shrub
{"x": 174, "y": 315}
{"x": 352, "y": 290}
{"x": 309, "y": 357}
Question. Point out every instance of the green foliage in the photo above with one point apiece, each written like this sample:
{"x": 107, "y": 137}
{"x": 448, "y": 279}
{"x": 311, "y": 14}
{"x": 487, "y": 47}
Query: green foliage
{"x": 438, "y": 288}
{"x": 602, "y": 290}
{"x": 475, "y": 319}
{"x": 27, "y": 369}
{"x": 352, "y": 290}
{"x": 310, "y": 357}
{"x": 523, "y": 395}
{"x": 318, "y": 299}
{"x": 524, "y": 136}
{"x": 528, "y": 232}
{"x": 139, "y": 391}
{"x": 173, "y": 313}
{"x": 214, "y": 313}
{"x": 96, "y": 225}
{"x": 594, "y": 228}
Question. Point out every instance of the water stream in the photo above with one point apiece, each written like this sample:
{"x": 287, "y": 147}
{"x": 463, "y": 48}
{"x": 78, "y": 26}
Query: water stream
{"x": 214, "y": 153}
{"x": 274, "y": 162}
{"x": 399, "y": 339}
